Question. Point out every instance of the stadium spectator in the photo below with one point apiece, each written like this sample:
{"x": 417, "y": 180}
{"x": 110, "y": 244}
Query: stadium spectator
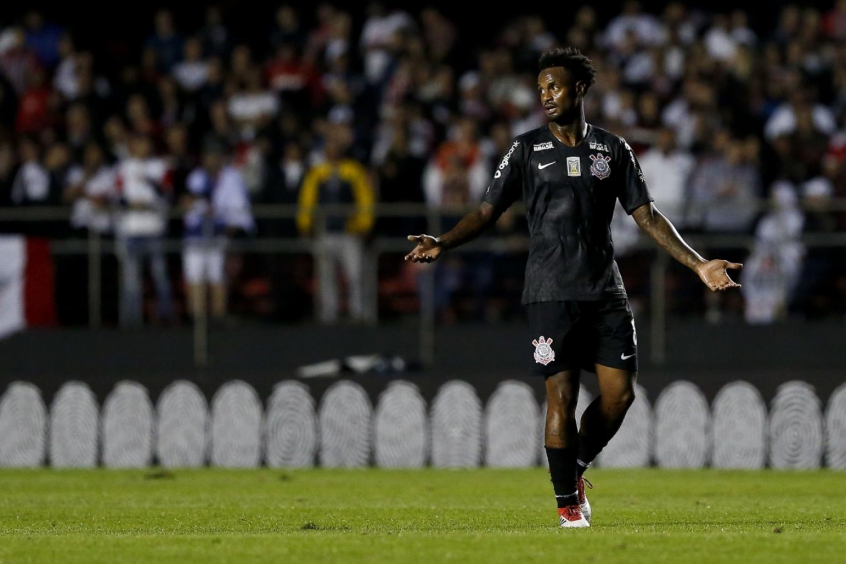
{"x": 33, "y": 113}
{"x": 338, "y": 238}
{"x": 457, "y": 173}
{"x": 725, "y": 188}
{"x": 398, "y": 177}
{"x": 646, "y": 27}
{"x": 17, "y": 61}
{"x": 66, "y": 77}
{"x": 90, "y": 188}
{"x": 253, "y": 106}
{"x": 192, "y": 71}
{"x": 165, "y": 43}
{"x": 215, "y": 36}
{"x": 288, "y": 30}
{"x": 43, "y": 38}
{"x": 667, "y": 170}
{"x": 378, "y": 39}
{"x": 290, "y": 77}
{"x": 79, "y": 130}
{"x": 31, "y": 185}
{"x": 144, "y": 192}
{"x": 217, "y": 207}
{"x": 771, "y": 273}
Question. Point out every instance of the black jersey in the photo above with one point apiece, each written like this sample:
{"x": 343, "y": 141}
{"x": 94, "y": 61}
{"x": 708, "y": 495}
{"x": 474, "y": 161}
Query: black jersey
{"x": 570, "y": 194}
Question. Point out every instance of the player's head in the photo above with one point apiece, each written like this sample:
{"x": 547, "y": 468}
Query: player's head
{"x": 563, "y": 81}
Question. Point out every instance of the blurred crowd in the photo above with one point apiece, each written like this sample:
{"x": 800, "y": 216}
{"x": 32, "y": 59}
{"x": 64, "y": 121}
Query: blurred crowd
{"x": 740, "y": 131}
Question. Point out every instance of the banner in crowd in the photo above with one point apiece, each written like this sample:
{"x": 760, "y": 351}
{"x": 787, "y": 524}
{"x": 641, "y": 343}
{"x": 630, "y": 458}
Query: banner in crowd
{"x": 26, "y": 284}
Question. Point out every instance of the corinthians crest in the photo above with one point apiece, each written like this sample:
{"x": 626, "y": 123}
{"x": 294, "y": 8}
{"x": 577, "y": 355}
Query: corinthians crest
{"x": 600, "y": 167}
{"x": 543, "y": 351}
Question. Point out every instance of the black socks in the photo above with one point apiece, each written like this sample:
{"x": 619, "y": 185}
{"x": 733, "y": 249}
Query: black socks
{"x": 563, "y": 473}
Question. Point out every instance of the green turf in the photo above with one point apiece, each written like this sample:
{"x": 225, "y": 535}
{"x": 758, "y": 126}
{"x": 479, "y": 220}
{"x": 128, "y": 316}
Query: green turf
{"x": 489, "y": 516}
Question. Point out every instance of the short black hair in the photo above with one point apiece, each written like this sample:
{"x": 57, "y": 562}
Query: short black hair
{"x": 574, "y": 62}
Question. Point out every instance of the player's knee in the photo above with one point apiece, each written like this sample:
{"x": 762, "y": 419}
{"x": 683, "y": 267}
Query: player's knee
{"x": 626, "y": 398}
{"x": 561, "y": 390}
{"x": 562, "y": 398}
{"x": 559, "y": 417}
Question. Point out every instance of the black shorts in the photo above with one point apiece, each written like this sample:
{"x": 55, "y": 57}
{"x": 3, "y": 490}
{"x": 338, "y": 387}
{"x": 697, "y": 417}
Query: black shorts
{"x": 571, "y": 334}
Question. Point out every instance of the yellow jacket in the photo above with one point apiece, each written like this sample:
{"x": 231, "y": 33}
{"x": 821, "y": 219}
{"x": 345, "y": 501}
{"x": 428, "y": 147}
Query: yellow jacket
{"x": 344, "y": 182}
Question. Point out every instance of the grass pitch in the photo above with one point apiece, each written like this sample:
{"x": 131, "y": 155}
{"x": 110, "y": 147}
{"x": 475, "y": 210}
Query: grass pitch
{"x": 489, "y": 516}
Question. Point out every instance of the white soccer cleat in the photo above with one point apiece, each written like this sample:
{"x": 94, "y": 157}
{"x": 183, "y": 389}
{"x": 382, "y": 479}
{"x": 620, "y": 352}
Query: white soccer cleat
{"x": 583, "y": 500}
{"x": 571, "y": 518}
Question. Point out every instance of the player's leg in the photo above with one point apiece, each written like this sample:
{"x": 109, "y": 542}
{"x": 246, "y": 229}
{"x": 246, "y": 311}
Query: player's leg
{"x": 615, "y": 364}
{"x": 603, "y": 417}
{"x": 561, "y": 441}
{"x": 551, "y": 325}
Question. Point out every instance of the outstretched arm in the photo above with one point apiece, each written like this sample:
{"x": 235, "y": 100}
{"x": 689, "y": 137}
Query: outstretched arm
{"x": 711, "y": 272}
{"x": 429, "y": 248}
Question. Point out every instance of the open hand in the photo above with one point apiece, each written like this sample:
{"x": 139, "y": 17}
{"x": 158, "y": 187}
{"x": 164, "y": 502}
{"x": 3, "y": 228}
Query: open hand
{"x": 428, "y": 249}
{"x": 713, "y": 274}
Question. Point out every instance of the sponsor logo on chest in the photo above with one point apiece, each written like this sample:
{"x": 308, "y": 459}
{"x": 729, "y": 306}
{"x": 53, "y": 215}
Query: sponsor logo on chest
{"x": 594, "y": 146}
{"x": 543, "y": 146}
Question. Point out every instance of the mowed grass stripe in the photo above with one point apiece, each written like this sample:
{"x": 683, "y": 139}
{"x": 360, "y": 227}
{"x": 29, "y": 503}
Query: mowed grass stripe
{"x": 370, "y": 515}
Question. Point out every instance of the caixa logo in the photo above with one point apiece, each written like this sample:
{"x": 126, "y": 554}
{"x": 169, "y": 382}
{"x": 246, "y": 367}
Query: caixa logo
{"x": 504, "y": 162}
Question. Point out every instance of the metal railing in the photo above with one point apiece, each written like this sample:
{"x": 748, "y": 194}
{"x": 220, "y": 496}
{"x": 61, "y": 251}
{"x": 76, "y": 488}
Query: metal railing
{"x": 95, "y": 247}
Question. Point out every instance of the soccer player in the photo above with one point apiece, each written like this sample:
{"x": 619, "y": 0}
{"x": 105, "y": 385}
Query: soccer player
{"x": 570, "y": 174}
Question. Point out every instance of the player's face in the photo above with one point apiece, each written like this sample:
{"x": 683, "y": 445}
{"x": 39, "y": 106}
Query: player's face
{"x": 559, "y": 95}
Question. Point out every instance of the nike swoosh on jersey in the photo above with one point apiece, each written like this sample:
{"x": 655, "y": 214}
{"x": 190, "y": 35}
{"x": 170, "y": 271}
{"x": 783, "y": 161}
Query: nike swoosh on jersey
{"x": 543, "y": 166}
{"x": 627, "y": 356}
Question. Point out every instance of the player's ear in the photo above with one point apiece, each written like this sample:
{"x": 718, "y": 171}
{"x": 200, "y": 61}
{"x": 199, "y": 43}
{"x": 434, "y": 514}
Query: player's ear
{"x": 581, "y": 88}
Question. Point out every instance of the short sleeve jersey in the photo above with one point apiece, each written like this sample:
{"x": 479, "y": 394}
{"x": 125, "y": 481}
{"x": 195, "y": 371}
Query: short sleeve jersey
{"x": 570, "y": 194}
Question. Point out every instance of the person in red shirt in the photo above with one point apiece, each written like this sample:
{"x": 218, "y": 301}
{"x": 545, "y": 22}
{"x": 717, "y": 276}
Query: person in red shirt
{"x": 34, "y": 105}
{"x": 290, "y": 76}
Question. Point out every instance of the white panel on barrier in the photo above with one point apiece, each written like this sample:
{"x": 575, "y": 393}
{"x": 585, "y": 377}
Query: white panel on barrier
{"x": 631, "y": 447}
{"x": 74, "y": 427}
{"x": 739, "y": 427}
{"x": 585, "y": 399}
{"x": 236, "y": 433}
{"x": 835, "y": 430}
{"x": 182, "y": 430}
{"x": 511, "y": 420}
{"x": 400, "y": 427}
{"x": 456, "y": 417}
{"x": 345, "y": 413}
{"x": 23, "y": 423}
{"x": 796, "y": 427}
{"x": 682, "y": 427}
{"x": 127, "y": 427}
{"x": 290, "y": 427}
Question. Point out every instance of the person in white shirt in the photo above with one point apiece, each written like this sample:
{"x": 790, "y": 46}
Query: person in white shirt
{"x": 191, "y": 73}
{"x": 667, "y": 169}
{"x": 772, "y": 271}
{"x": 377, "y": 38}
{"x": 254, "y": 106}
{"x": 217, "y": 205}
{"x": 31, "y": 185}
{"x": 91, "y": 189}
{"x": 143, "y": 191}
